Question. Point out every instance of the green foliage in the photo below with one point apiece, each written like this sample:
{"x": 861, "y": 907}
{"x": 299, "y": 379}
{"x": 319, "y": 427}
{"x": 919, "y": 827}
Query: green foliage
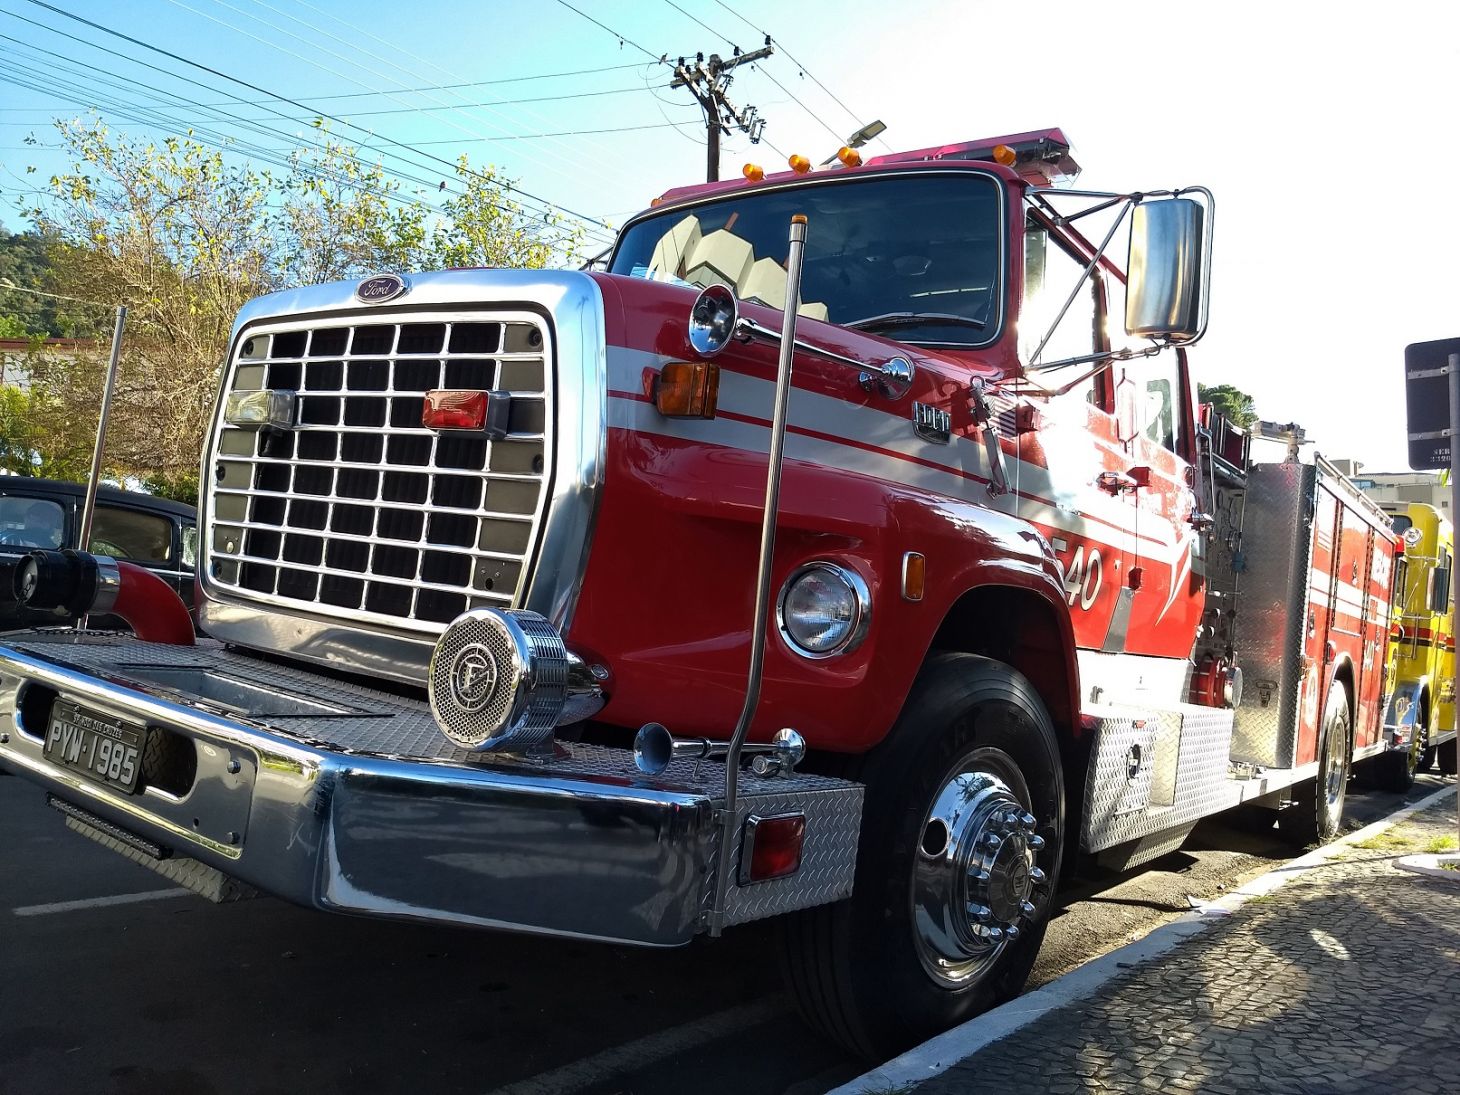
{"x": 184, "y": 236}
{"x": 182, "y": 488}
{"x": 1232, "y": 403}
{"x": 39, "y": 437}
{"x": 23, "y": 263}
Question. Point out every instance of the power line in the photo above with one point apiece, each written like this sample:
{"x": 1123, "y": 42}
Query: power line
{"x": 499, "y": 102}
{"x": 316, "y": 33}
{"x": 295, "y": 103}
{"x": 226, "y": 143}
{"x": 809, "y": 74}
{"x": 468, "y": 83}
{"x": 662, "y": 58}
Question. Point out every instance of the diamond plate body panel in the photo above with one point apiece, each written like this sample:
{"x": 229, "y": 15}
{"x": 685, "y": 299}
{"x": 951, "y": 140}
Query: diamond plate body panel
{"x": 828, "y": 855}
{"x": 1277, "y": 545}
{"x": 1188, "y": 753}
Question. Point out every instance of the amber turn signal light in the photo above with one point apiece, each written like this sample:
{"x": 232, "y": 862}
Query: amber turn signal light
{"x": 1005, "y": 155}
{"x": 849, "y": 156}
{"x": 753, "y": 171}
{"x": 799, "y": 163}
{"x": 687, "y": 389}
{"x": 914, "y": 576}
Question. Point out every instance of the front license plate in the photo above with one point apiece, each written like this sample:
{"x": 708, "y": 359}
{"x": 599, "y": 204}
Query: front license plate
{"x": 105, "y": 749}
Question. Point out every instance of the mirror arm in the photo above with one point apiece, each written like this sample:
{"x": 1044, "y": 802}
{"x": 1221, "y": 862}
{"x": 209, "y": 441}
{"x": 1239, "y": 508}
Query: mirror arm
{"x": 1105, "y": 359}
{"x": 1079, "y": 284}
{"x": 891, "y": 379}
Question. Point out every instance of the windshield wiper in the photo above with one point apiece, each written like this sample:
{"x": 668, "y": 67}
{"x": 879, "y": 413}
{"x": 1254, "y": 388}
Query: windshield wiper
{"x": 909, "y": 319}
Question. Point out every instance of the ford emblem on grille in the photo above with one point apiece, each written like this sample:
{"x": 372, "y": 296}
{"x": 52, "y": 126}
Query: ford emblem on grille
{"x": 381, "y": 288}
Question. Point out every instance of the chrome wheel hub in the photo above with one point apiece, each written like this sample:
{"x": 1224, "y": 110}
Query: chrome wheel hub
{"x": 977, "y": 882}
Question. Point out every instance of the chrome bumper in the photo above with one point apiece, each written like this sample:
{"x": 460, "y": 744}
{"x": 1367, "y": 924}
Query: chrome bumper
{"x": 350, "y": 801}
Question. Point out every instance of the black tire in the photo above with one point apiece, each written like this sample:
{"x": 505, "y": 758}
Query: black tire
{"x": 857, "y": 969}
{"x": 1445, "y": 756}
{"x": 1394, "y": 770}
{"x": 1315, "y": 817}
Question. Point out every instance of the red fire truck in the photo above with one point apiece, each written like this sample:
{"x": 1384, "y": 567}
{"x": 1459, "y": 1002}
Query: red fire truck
{"x": 633, "y": 604}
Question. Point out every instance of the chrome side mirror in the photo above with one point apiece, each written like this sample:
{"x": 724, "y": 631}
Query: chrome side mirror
{"x": 1168, "y": 269}
{"x": 712, "y": 320}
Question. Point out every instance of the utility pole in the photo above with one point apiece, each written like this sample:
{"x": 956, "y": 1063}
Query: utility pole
{"x": 708, "y": 82}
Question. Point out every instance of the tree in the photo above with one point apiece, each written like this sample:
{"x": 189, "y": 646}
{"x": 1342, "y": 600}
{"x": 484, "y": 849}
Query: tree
{"x": 1232, "y": 403}
{"x": 184, "y": 236}
{"x": 41, "y": 436}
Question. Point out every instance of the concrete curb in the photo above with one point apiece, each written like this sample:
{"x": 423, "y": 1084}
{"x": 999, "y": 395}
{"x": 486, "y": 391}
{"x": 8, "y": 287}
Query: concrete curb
{"x": 941, "y": 1053}
{"x": 1432, "y": 865}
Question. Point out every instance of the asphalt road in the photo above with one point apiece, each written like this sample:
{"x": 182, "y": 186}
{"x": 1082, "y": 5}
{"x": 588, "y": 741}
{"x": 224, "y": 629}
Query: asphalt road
{"x": 165, "y": 993}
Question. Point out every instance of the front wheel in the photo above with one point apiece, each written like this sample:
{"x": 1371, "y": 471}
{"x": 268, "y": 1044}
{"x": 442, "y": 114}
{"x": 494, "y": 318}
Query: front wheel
{"x": 962, "y": 834}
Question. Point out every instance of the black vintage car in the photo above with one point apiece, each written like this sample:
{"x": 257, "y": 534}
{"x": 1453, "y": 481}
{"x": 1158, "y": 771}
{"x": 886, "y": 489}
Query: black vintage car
{"x": 152, "y": 532}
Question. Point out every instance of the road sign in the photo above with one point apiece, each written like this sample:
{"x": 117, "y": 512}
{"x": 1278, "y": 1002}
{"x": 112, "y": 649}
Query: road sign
{"x": 1427, "y": 402}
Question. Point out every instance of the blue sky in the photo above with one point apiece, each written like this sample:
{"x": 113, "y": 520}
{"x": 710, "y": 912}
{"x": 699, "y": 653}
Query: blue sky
{"x": 1326, "y": 131}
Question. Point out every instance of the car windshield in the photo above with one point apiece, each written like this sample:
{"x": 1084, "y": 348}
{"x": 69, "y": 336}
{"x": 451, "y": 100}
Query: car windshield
{"x": 915, "y": 256}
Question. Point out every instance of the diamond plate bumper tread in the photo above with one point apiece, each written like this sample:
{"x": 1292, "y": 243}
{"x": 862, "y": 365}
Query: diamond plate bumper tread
{"x": 203, "y": 880}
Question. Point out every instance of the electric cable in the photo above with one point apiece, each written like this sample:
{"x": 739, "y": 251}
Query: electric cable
{"x": 299, "y": 105}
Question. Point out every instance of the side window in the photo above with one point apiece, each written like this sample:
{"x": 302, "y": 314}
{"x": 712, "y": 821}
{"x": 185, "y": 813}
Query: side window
{"x": 1049, "y": 275}
{"x": 131, "y": 534}
{"x": 31, "y": 523}
{"x": 1159, "y": 385}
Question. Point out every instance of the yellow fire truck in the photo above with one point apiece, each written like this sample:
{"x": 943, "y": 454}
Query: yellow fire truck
{"x": 1419, "y": 719}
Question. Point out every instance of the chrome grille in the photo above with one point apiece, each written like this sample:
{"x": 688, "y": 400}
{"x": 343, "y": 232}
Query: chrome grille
{"x": 361, "y": 512}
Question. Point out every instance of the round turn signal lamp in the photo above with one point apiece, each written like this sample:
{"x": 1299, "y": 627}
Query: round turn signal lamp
{"x": 753, "y": 171}
{"x": 799, "y": 163}
{"x": 1005, "y": 155}
{"x": 849, "y": 156}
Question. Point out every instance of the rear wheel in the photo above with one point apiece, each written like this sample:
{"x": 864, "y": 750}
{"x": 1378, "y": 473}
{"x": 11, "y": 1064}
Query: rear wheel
{"x": 1394, "y": 770}
{"x": 1315, "y": 817}
{"x": 962, "y": 834}
{"x": 1446, "y": 757}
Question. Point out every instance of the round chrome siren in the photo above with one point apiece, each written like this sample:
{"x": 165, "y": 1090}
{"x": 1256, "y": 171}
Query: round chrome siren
{"x": 712, "y": 320}
{"x": 500, "y": 680}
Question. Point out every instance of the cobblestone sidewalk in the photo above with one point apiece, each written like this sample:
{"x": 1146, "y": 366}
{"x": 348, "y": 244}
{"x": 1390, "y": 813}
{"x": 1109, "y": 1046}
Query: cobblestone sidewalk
{"x": 1345, "y": 980}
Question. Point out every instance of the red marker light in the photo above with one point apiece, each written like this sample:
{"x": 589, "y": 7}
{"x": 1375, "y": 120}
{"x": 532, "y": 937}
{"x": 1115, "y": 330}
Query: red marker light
{"x": 460, "y": 410}
{"x": 773, "y": 847}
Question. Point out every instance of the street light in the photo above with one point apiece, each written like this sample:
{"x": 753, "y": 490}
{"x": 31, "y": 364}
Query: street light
{"x": 859, "y": 138}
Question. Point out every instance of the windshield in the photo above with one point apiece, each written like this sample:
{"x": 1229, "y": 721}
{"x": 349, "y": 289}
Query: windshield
{"x": 915, "y": 257}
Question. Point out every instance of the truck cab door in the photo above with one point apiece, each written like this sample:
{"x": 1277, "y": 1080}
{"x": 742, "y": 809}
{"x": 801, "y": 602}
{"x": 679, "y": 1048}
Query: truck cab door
{"x": 1165, "y": 587}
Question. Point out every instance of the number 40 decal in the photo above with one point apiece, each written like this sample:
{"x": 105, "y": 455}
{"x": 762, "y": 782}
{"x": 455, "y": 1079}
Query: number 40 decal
{"x": 1082, "y": 577}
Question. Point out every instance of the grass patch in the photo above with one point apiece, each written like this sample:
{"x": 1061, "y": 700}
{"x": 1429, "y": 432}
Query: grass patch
{"x": 1387, "y": 841}
{"x": 1442, "y": 844}
{"x": 1450, "y": 866}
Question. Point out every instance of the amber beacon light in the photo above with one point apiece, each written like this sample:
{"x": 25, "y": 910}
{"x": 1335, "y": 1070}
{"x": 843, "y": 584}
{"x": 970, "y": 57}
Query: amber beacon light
{"x": 753, "y": 171}
{"x": 799, "y": 163}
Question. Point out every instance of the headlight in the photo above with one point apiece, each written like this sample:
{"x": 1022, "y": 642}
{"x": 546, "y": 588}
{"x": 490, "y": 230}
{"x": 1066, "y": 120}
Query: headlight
{"x": 824, "y": 610}
{"x": 712, "y": 320}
